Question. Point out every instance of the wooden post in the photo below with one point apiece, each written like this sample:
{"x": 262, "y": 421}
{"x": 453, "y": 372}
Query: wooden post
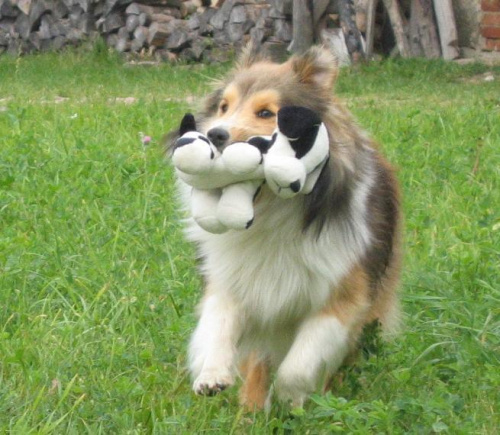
{"x": 319, "y": 17}
{"x": 371, "y": 9}
{"x": 447, "y": 29}
{"x": 347, "y": 18}
{"x": 414, "y": 38}
{"x": 398, "y": 27}
{"x": 302, "y": 20}
{"x": 424, "y": 39}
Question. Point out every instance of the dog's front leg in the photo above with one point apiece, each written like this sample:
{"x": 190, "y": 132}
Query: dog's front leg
{"x": 318, "y": 350}
{"x": 213, "y": 345}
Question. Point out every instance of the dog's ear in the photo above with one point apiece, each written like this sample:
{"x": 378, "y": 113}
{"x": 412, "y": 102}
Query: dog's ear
{"x": 317, "y": 66}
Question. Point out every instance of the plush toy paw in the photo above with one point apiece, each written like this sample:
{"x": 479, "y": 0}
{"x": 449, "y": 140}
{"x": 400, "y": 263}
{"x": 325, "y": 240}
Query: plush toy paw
{"x": 235, "y": 209}
{"x": 240, "y": 158}
{"x": 204, "y": 206}
{"x": 193, "y": 152}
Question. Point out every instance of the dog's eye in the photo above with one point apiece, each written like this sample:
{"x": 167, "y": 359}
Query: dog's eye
{"x": 264, "y": 113}
{"x": 223, "y": 107}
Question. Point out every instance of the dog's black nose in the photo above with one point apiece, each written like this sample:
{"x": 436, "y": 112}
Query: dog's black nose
{"x": 218, "y": 136}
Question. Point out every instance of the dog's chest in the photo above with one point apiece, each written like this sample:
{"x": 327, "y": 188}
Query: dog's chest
{"x": 268, "y": 280}
{"x": 275, "y": 272}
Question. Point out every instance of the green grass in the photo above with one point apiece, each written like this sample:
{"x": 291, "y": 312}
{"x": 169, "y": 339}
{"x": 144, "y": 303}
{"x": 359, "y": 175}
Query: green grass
{"x": 98, "y": 287}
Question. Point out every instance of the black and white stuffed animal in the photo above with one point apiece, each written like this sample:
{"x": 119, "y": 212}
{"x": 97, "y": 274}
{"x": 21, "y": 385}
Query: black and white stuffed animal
{"x": 225, "y": 184}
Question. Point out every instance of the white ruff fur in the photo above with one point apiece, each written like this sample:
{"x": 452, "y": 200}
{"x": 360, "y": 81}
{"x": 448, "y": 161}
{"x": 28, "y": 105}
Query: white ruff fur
{"x": 267, "y": 283}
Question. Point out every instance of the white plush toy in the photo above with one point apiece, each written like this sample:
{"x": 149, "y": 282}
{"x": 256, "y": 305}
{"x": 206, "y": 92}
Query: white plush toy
{"x": 225, "y": 184}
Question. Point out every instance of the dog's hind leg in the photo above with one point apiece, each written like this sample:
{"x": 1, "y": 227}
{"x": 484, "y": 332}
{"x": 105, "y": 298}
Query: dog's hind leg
{"x": 255, "y": 388}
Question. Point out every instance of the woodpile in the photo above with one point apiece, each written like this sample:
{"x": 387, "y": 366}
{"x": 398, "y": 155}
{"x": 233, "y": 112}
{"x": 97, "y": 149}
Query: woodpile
{"x": 41, "y": 25}
{"x": 356, "y": 29}
{"x": 202, "y": 30}
{"x": 414, "y": 28}
{"x": 170, "y": 29}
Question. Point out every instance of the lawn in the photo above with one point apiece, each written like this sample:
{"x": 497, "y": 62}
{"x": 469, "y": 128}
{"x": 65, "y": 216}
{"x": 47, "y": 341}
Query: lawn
{"x": 98, "y": 287}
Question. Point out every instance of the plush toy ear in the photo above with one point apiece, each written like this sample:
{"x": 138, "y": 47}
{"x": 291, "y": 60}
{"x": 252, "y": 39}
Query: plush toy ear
{"x": 300, "y": 125}
{"x": 187, "y": 124}
{"x": 261, "y": 143}
{"x": 317, "y": 66}
{"x": 294, "y": 121}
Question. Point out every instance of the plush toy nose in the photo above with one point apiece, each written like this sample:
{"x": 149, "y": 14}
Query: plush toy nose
{"x": 218, "y": 136}
{"x": 295, "y": 186}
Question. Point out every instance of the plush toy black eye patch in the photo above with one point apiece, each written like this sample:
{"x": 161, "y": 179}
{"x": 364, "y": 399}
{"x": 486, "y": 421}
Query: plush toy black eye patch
{"x": 261, "y": 143}
{"x": 304, "y": 143}
{"x": 294, "y": 121}
{"x": 189, "y": 139}
{"x": 301, "y": 126}
{"x": 273, "y": 139}
{"x": 184, "y": 141}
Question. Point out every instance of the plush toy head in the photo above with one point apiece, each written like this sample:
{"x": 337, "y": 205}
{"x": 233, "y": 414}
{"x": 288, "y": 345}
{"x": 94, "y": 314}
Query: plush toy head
{"x": 298, "y": 152}
{"x": 193, "y": 152}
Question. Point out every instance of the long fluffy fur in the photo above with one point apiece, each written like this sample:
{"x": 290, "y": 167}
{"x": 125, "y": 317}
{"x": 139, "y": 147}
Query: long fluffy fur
{"x": 293, "y": 292}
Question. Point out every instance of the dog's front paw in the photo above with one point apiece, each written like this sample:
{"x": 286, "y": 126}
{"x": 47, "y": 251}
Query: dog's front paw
{"x": 210, "y": 383}
{"x": 293, "y": 387}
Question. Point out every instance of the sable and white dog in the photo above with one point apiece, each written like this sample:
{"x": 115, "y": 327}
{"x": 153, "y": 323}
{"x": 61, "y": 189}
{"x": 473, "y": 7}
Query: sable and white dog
{"x": 286, "y": 300}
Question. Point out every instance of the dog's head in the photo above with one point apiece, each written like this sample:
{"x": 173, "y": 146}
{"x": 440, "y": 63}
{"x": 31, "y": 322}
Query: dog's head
{"x": 246, "y": 103}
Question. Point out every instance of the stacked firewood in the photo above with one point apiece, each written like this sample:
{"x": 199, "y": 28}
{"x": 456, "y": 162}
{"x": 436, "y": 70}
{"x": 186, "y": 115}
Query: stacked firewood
{"x": 199, "y": 29}
{"x": 420, "y": 28}
{"x": 39, "y": 25}
{"x": 193, "y": 29}
{"x": 189, "y": 29}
